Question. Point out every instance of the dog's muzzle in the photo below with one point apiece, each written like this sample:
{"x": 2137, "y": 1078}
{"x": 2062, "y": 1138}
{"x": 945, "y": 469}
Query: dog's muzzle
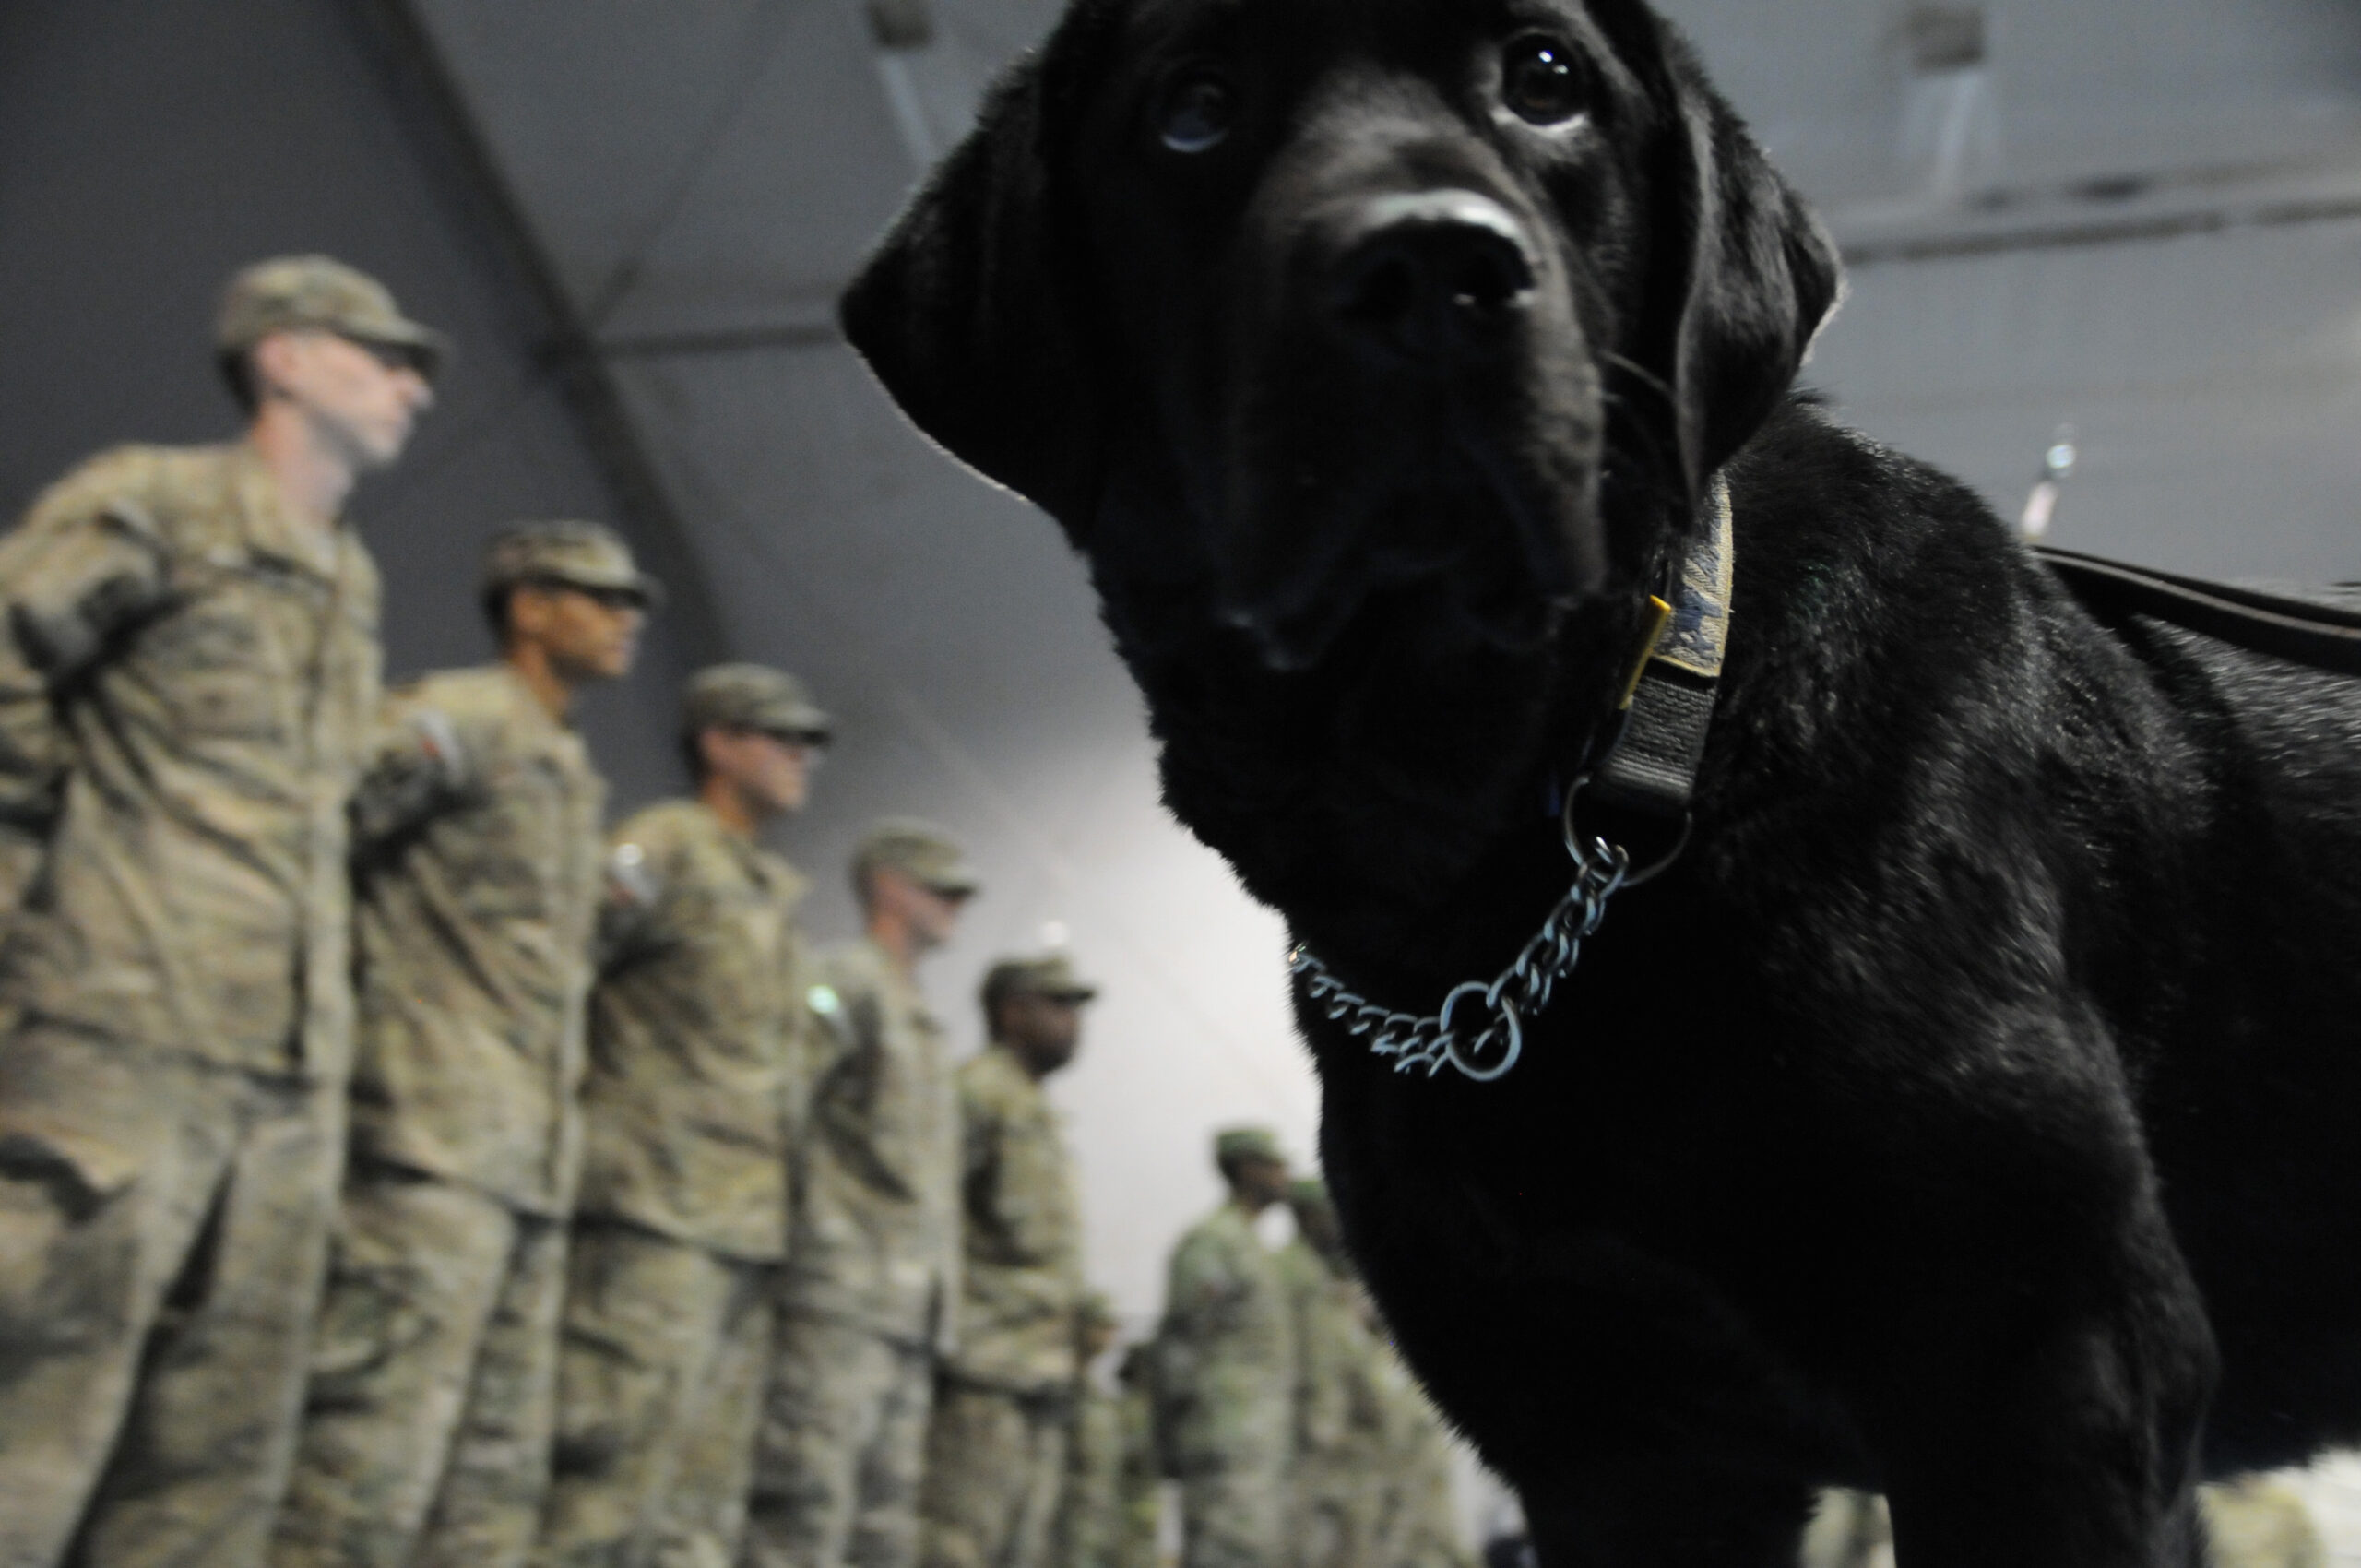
{"x": 1431, "y": 278}
{"x": 1408, "y": 422}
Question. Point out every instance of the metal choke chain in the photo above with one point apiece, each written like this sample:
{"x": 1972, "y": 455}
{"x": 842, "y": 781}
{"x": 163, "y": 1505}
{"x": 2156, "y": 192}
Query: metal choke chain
{"x": 1518, "y": 993}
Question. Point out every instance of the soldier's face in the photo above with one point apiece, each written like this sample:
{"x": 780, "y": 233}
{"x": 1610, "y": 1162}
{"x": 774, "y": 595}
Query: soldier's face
{"x": 773, "y": 773}
{"x": 1046, "y": 1030}
{"x": 360, "y": 402}
{"x": 589, "y": 635}
{"x": 1260, "y": 1182}
{"x": 927, "y": 915}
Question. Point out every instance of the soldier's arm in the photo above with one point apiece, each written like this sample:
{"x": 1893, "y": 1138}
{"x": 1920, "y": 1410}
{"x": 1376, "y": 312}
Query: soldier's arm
{"x": 983, "y": 1173}
{"x": 634, "y": 911}
{"x": 1205, "y": 1288}
{"x": 422, "y": 765}
{"x": 77, "y": 578}
{"x": 980, "y": 1130}
{"x": 844, "y": 1097}
{"x": 836, "y": 1036}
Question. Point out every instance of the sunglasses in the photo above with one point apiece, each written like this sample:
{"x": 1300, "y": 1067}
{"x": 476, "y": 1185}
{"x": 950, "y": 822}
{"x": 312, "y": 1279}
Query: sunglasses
{"x": 812, "y": 741}
{"x": 393, "y": 356}
{"x": 604, "y": 596}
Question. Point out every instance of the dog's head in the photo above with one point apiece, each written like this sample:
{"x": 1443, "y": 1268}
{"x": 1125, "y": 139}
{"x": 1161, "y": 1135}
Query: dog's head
{"x": 1400, "y": 295}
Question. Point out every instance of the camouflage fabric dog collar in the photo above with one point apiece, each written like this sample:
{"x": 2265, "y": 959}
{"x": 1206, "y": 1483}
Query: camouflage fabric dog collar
{"x": 1651, "y": 764}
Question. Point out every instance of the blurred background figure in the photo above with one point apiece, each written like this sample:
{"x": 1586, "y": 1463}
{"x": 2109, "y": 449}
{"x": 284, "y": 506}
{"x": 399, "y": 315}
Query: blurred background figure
{"x": 1226, "y": 1369}
{"x": 2260, "y": 1522}
{"x": 2253, "y": 1522}
{"x": 1108, "y": 1512}
{"x": 1339, "y": 1476}
{"x": 1004, "y": 1399}
{"x": 426, "y": 1431}
{"x": 188, "y": 690}
{"x": 692, "y": 1106}
{"x": 870, "y": 1291}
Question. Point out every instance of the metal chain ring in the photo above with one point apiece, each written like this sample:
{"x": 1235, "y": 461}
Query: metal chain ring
{"x": 1497, "y": 1009}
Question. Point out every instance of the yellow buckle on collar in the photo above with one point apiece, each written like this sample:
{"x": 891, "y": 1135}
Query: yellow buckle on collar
{"x": 1659, "y": 615}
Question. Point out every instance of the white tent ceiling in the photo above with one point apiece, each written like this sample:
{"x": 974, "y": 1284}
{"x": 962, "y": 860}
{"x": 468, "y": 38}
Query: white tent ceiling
{"x": 2139, "y": 217}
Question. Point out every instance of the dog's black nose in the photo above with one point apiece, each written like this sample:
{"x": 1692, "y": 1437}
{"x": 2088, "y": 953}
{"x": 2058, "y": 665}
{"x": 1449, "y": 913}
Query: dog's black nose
{"x": 1433, "y": 277}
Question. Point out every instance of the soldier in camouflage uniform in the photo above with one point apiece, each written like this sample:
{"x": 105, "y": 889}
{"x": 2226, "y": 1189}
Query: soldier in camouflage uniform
{"x": 1107, "y": 1513}
{"x": 1418, "y": 1521}
{"x": 1226, "y": 1377}
{"x": 697, "y": 1057}
{"x": 871, "y": 1285}
{"x": 427, "y": 1425}
{"x": 1340, "y": 1471}
{"x": 1003, "y": 1403}
{"x": 188, "y": 679}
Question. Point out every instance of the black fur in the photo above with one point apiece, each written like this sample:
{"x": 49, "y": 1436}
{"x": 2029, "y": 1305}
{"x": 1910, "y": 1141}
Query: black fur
{"x": 1982, "y": 1065}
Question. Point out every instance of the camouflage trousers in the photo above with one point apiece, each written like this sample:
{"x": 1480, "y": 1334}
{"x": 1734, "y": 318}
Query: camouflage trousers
{"x": 995, "y": 1465}
{"x": 660, "y": 1385}
{"x": 1420, "y": 1518}
{"x": 163, "y": 1227}
{"x": 1338, "y": 1501}
{"x": 426, "y": 1433}
{"x": 842, "y": 1444}
{"x": 1235, "y": 1516}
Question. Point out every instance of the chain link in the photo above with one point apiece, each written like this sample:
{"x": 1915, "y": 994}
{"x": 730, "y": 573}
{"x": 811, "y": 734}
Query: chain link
{"x": 1517, "y": 994}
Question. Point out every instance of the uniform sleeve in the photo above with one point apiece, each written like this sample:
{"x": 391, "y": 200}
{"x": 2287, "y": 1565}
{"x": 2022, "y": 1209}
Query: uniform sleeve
{"x": 980, "y": 1130}
{"x": 421, "y": 768}
{"x": 1206, "y": 1289}
{"x": 1323, "y": 1373}
{"x": 802, "y": 1044}
{"x": 75, "y": 578}
{"x": 850, "y": 1077}
{"x": 641, "y": 881}
{"x": 831, "y": 1033}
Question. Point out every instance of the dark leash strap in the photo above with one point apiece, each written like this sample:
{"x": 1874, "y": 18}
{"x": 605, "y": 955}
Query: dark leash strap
{"x": 1650, "y": 762}
{"x": 2324, "y": 636}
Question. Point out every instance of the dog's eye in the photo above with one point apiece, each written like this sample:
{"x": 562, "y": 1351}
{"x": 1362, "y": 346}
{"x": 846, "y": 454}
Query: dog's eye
{"x": 1540, "y": 81}
{"x": 1199, "y": 110}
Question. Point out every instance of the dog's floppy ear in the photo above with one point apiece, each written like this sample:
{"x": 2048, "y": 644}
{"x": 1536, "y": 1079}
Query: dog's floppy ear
{"x": 960, "y": 315}
{"x": 1763, "y": 275}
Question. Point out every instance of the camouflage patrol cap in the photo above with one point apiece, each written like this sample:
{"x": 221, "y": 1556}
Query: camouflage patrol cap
{"x": 1232, "y": 1144}
{"x": 569, "y": 553}
{"x": 927, "y": 854}
{"x": 752, "y": 697}
{"x": 1051, "y": 975}
{"x": 295, "y": 292}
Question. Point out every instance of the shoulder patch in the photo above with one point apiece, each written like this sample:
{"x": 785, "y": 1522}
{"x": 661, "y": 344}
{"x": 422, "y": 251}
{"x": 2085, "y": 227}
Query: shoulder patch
{"x": 628, "y": 871}
{"x": 441, "y": 739}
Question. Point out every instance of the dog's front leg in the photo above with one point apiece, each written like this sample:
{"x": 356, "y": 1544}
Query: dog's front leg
{"x": 2081, "y": 1455}
{"x": 2048, "y": 1417}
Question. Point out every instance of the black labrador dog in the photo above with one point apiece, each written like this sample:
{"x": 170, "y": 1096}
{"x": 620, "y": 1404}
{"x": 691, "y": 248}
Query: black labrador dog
{"x": 1969, "y": 1110}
